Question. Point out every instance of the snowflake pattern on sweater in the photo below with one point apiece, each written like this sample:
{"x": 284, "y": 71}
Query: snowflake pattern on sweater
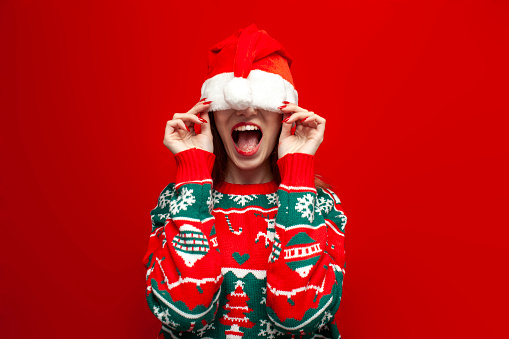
{"x": 245, "y": 261}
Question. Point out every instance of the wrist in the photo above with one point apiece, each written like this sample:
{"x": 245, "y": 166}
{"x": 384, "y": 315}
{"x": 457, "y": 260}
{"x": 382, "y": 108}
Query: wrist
{"x": 194, "y": 164}
{"x": 308, "y": 148}
{"x": 297, "y": 169}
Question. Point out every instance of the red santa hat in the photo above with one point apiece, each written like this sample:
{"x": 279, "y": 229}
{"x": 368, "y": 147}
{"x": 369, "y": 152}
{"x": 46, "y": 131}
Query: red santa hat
{"x": 249, "y": 69}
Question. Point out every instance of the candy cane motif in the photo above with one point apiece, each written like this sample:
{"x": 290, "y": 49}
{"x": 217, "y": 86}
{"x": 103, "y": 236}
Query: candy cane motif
{"x": 231, "y": 228}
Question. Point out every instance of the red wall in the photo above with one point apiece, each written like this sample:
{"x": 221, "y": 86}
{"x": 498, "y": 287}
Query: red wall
{"x": 414, "y": 94}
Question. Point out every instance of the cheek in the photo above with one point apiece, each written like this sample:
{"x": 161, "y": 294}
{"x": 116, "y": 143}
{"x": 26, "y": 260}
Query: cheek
{"x": 273, "y": 129}
{"x": 225, "y": 136}
{"x": 221, "y": 130}
{"x": 272, "y": 136}
{"x": 221, "y": 121}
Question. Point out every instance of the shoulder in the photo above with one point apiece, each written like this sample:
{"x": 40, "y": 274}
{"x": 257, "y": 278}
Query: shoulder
{"x": 161, "y": 212}
{"x": 329, "y": 206}
{"x": 327, "y": 201}
{"x": 335, "y": 220}
{"x": 165, "y": 196}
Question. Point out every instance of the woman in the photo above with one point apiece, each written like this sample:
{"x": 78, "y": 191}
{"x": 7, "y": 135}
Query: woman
{"x": 246, "y": 243}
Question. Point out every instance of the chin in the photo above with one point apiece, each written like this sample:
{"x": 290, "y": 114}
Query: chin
{"x": 248, "y": 162}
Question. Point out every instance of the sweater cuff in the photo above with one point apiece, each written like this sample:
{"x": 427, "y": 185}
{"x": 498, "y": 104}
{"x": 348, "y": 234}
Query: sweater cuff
{"x": 297, "y": 169}
{"x": 194, "y": 164}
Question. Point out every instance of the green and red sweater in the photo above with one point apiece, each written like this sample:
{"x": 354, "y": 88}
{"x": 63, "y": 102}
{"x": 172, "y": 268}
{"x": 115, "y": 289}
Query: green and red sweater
{"x": 245, "y": 261}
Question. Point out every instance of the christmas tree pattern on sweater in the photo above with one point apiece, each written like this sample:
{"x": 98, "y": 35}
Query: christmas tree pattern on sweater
{"x": 245, "y": 261}
{"x": 237, "y": 309}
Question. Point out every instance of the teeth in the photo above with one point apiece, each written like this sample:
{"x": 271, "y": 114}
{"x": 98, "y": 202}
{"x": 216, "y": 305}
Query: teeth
{"x": 246, "y": 128}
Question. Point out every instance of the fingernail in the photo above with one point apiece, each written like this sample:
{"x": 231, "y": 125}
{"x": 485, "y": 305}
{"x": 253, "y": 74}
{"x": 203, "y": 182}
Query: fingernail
{"x": 285, "y": 120}
{"x": 281, "y": 107}
{"x": 286, "y": 102}
{"x": 188, "y": 129}
{"x": 203, "y": 120}
{"x": 303, "y": 119}
{"x": 207, "y": 102}
{"x": 202, "y": 99}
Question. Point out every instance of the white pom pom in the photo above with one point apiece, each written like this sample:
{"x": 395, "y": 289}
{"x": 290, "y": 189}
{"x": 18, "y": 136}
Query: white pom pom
{"x": 237, "y": 93}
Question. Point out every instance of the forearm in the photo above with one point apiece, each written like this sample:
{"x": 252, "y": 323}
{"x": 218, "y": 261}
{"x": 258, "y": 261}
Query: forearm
{"x": 184, "y": 272}
{"x": 304, "y": 281}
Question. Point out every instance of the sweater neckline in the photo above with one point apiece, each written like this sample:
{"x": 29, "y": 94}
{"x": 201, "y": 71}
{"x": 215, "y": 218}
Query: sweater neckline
{"x": 229, "y": 188}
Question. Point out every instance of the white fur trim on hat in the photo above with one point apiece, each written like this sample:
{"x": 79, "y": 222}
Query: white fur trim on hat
{"x": 238, "y": 94}
{"x": 262, "y": 90}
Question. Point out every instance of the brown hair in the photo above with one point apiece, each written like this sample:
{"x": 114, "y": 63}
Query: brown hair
{"x": 219, "y": 169}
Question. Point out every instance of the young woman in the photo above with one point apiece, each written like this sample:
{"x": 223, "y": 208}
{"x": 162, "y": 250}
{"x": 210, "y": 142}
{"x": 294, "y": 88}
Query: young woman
{"x": 246, "y": 243}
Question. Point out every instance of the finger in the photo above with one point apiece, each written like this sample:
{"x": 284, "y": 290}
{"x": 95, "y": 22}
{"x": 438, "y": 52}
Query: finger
{"x": 200, "y": 107}
{"x": 286, "y": 130}
{"x": 169, "y": 128}
{"x": 287, "y": 108}
{"x": 178, "y": 124}
{"x": 173, "y": 129}
{"x": 298, "y": 116}
{"x": 188, "y": 118}
{"x": 315, "y": 122}
{"x": 308, "y": 122}
{"x": 320, "y": 124}
{"x": 200, "y": 102}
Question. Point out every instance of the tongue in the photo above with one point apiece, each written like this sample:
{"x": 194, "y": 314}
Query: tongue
{"x": 247, "y": 140}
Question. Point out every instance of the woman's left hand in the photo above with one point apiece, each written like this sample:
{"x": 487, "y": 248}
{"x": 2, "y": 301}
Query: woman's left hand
{"x": 308, "y": 133}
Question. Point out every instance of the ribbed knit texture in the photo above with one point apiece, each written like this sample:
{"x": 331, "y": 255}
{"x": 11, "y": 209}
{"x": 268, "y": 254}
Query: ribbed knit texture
{"x": 195, "y": 164}
{"x": 297, "y": 169}
{"x": 245, "y": 261}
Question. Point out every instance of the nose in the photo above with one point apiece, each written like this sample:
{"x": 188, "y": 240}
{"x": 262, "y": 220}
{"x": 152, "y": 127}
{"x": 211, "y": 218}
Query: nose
{"x": 247, "y": 112}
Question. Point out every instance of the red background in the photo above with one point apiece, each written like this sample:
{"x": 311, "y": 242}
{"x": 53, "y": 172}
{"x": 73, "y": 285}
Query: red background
{"x": 414, "y": 93}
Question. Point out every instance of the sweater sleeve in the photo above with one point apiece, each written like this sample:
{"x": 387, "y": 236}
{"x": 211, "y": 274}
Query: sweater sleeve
{"x": 307, "y": 262}
{"x": 183, "y": 264}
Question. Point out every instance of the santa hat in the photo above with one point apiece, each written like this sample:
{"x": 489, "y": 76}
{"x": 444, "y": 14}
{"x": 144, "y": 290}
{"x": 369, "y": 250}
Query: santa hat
{"x": 249, "y": 69}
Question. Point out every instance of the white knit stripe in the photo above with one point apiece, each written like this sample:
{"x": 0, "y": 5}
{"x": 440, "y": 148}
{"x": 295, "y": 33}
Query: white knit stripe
{"x": 186, "y": 280}
{"x": 293, "y": 292}
{"x": 241, "y": 211}
{"x": 170, "y": 332}
{"x": 268, "y": 90}
{"x": 333, "y": 227}
{"x": 192, "y": 219}
{"x": 287, "y": 228}
{"x": 332, "y": 195}
{"x": 237, "y": 307}
{"x": 236, "y": 319}
{"x": 167, "y": 330}
{"x": 338, "y": 268}
{"x": 153, "y": 234}
{"x": 305, "y": 322}
{"x": 242, "y": 272}
{"x": 302, "y": 252}
{"x": 184, "y": 314}
{"x": 205, "y": 181}
{"x": 297, "y": 188}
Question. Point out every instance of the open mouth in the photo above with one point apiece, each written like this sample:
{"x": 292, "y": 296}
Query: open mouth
{"x": 246, "y": 138}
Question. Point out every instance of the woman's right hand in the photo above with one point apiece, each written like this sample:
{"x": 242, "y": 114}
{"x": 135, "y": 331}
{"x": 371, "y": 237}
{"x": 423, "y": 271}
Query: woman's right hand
{"x": 179, "y": 134}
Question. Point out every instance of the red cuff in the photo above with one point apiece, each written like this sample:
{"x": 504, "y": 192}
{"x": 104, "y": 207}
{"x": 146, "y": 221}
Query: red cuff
{"x": 297, "y": 169}
{"x": 194, "y": 165}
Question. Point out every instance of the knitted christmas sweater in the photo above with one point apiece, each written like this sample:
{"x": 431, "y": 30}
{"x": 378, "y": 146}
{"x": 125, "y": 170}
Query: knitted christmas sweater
{"x": 245, "y": 261}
